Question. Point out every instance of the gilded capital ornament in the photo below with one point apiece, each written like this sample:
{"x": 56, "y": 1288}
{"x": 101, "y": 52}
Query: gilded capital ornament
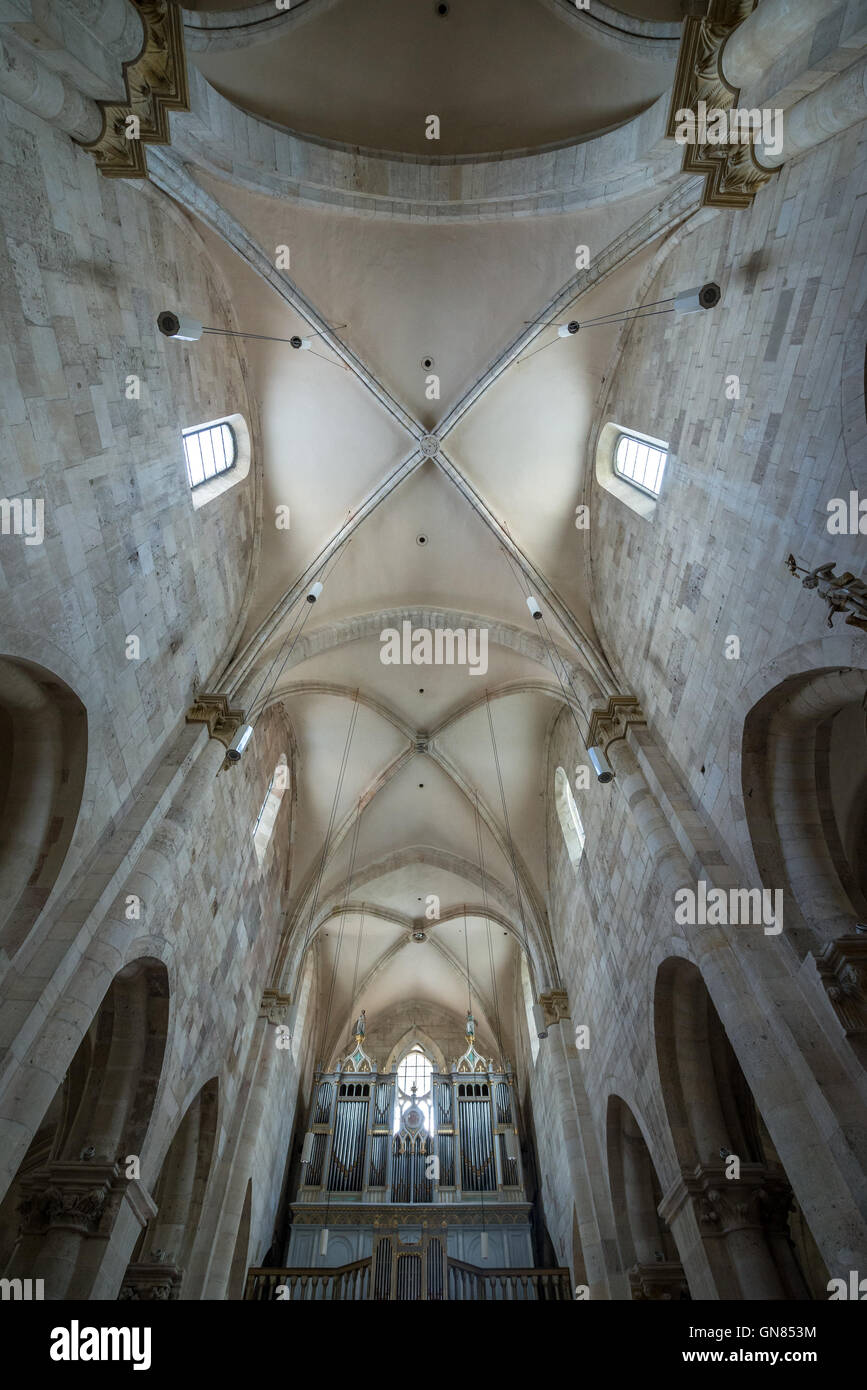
{"x": 614, "y": 720}
{"x": 214, "y": 710}
{"x": 732, "y": 175}
{"x": 156, "y": 83}
{"x": 555, "y": 1004}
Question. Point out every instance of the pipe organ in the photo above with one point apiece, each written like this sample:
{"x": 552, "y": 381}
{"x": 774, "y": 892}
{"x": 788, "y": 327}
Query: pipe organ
{"x": 410, "y": 1169}
{"x": 373, "y": 1143}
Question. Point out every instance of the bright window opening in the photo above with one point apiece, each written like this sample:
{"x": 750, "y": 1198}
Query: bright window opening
{"x": 640, "y": 462}
{"x": 570, "y": 821}
{"x": 415, "y": 1069}
{"x": 527, "y": 990}
{"x": 264, "y": 827}
{"x": 209, "y": 450}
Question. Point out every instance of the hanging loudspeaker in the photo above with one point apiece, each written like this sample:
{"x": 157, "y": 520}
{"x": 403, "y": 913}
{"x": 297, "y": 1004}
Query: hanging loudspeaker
{"x": 601, "y": 766}
{"x": 239, "y": 743}
{"x": 703, "y": 297}
{"x": 307, "y": 1147}
{"x": 181, "y": 326}
{"x": 323, "y": 1241}
{"x": 539, "y": 1020}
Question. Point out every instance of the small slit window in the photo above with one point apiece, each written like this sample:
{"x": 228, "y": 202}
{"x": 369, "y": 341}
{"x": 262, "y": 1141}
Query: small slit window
{"x": 570, "y": 820}
{"x": 264, "y": 827}
{"x": 640, "y": 462}
{"x": 209, "y": 451}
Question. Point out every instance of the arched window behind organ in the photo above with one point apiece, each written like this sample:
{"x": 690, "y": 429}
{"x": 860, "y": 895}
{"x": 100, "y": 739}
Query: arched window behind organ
{"x": 570, "y": 820}
{"x": 414, "y": 1069}
{"x": 264, "y": 827}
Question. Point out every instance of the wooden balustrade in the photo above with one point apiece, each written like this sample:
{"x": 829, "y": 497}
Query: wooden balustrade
{"x": 473, "y": 1283}
{"x": 347, "y": 1283}
{"x": 464, "y": 1283}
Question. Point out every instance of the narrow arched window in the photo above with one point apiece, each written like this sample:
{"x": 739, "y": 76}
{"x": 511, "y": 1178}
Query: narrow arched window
{"x": 570, "y": 820}
{"x": 217, "y": 456}
{"x": 641, "y": 461}
{"x": 264, "y": 827}
{"x": 527, "y": 991}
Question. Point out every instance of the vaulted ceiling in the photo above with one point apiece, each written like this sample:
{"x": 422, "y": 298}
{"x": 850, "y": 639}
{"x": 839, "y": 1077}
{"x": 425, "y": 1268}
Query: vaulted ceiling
{"x": 422, "y": 809}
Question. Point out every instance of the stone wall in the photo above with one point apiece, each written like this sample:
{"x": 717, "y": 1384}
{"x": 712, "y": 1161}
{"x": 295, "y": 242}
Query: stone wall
{"x": 747, "y": 482}
{"x": 86, "y": 264}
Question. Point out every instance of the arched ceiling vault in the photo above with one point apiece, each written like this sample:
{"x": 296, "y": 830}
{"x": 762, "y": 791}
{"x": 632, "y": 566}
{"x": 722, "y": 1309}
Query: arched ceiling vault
{"x": 485, "y": 466}
{"x": 393, "y": 963}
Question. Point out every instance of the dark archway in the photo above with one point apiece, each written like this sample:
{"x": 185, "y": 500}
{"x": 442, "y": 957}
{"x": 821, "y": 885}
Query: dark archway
{"x": 732, "y": 1184}
{"x": 163, "y": 1250}
{"x": 648, "y": 1251}
{"x": 59, "y": 1212}
{"x": 43, "y": 761}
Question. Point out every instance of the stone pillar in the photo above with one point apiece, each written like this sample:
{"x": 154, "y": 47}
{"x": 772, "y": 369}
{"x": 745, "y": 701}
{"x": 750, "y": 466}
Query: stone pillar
{"x": 773, "y": 26}
{"x": 69, "y": 1211}
{"x": 151, "y": 1282}
{"x": 736, "y": 1216}
{"x": 839, "y": 104}
{"x": 212, "y": 1263}
{"x": 25, "y": 80}
{"x": 609, "y": 727}
{"x": 661, "y": 1282}
{"x": 87, "y": 42}
{"x": 583, "y": 1159}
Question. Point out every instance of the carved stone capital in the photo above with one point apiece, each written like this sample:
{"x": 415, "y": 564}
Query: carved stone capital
{"x": 658, "y": 1283}
{"x": 69, "y": 1196}
{"x": 732, "y": 174}
{"x": 155, "y": 1282}
{"x": 614, "y": 719}
{"x": 80, "y": 1196}
{"x": 842, "y": 968}
{"x": 275, "y": 1006}
{"x": 156, "y": 83}
{"x": 214, "y": 710}
{"x": 759, "y": 1199}
{"x": 556, "y": 1005}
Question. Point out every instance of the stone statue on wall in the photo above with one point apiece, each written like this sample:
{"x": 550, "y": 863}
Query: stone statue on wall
{"x": 842, "y": 593}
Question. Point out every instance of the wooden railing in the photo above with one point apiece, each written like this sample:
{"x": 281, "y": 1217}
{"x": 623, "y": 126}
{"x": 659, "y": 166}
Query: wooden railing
{"x": 472, "y": 1283}
{"x": 348, "y": 1283}
{"x": 465, "y": 1283}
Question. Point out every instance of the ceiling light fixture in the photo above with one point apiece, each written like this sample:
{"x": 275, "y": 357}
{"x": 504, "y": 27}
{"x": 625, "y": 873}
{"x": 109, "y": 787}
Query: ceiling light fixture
{"x": 706, "y": 296}
{"x": 427, "y": 362}
{"x": 189, "y": 330}
{"x": 421, "y": 538}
